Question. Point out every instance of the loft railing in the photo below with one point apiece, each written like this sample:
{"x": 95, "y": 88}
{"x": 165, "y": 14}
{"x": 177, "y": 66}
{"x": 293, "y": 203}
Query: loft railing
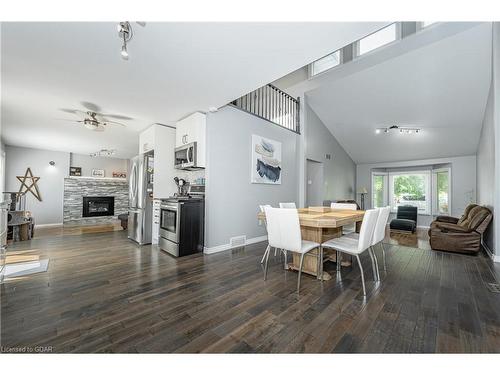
{"x": 272, "y": 104}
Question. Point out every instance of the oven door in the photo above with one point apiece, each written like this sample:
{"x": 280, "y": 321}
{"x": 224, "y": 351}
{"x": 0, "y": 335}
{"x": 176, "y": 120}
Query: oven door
{"x": 185, "y": 156}
{"x": 169, "y": 221}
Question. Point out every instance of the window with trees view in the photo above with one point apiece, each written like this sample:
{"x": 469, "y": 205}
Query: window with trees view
{"x": 429, "y": 191}
{"x": 379, "y": 190}
{"x": 410, "y": 189}
{"x": 441, "y": 201}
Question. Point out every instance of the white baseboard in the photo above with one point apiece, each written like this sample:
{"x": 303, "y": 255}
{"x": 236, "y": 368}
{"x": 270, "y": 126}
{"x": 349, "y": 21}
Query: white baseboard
{"x": 48, "y": 225}
{"x": 423, "y": 226}
{"x": 224, "y": 247}
{"x": 494, "y": 258}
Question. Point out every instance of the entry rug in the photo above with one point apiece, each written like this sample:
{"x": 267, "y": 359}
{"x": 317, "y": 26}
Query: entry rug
{"x": 26, "y": 268}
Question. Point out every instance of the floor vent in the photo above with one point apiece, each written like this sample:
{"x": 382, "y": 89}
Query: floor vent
{"x": 493, "y": 287}
{"x": 238, "y": 241}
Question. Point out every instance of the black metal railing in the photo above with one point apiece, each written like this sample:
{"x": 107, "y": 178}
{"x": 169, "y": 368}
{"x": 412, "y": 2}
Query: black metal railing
{"x": 272, "y": 104}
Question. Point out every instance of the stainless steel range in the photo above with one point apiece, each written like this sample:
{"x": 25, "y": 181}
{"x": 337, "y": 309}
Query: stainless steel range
{"x": 182, "y": 225}
{"x": 182, "y": 219}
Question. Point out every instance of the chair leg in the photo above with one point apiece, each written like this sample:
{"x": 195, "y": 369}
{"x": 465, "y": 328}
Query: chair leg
{"x": 265, "y": 266}
{"x": 300, "y": 271}
{"x": 319, "y": 267}
{"x": 275, "y": 251}
{"x": 362, "y": 275}
{"x": 376, "y": 263}
{"x": 265, "y": 253}
{"x": 383, "y": 255}
{"x": 338, "y": 256}
{"x": 285, "y": 264}
{"x": 375, "y": 276}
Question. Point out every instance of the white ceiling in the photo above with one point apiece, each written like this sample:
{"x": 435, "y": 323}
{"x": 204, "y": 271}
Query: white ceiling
{"x": 174, "y": 69}
{"x": 441, "y": 87}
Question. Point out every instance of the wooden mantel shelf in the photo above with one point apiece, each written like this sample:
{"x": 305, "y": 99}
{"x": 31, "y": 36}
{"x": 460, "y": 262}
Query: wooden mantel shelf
{"x": 98, "y": 178}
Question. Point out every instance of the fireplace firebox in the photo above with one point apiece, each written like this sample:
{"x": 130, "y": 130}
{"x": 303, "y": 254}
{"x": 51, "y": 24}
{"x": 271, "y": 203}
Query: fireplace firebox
{"x": 98, "y": 206}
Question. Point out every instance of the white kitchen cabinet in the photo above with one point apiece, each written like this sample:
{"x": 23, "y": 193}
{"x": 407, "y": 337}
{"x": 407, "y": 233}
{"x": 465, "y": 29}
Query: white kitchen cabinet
{"x": 147, "y": 140}
{"x": 161, "y": 140}
{"x": 156, "y": 221}
{"x": 193, "y": 129}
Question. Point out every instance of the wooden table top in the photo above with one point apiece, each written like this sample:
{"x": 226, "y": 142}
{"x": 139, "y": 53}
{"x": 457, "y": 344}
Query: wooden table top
{"x": 325, "y": 217}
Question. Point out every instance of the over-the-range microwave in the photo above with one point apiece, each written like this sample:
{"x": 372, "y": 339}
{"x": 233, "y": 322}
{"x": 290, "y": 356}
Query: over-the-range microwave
{"x": 186, "y": 157}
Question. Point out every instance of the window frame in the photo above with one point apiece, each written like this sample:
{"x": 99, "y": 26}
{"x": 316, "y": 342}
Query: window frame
{"x": 435, "y": 193}
{"x": 310, "y": 68}
{"x": 356, "y": 49}
{"x": 386, "y": 188}
{"x": 428, "y": 190}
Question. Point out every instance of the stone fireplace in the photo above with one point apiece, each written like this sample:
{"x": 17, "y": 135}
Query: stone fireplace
{"x": 91, "y": 201}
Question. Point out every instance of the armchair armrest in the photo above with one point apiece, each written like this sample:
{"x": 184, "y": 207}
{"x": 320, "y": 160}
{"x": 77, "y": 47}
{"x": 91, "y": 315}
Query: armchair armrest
{"x": 447, "y": 219}
{"x": 453, "y": 228}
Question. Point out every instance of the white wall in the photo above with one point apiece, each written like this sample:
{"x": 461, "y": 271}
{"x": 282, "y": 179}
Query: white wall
{"x": 486, "y": 166}
{"x": 110, "y": 165}
{"x": 232, "y": 202}
{"x": 50, "y": 185}
{"x": 463, "y": 175}
{"x": 340, "y": 170}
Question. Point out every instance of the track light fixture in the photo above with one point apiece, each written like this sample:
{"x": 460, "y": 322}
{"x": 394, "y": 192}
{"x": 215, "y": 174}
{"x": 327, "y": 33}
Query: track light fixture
{"x": 125, "y": 33}
{"x": 400, "y": 129}
{"x": 103, "y": 153}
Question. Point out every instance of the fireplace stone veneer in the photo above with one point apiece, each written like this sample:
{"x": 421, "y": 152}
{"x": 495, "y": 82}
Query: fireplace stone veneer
{"x": 76, "y": 188}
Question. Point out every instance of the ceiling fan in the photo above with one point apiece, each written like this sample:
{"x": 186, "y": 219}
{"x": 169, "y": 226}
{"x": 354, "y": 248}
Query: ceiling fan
{"x": 93, "y": 119}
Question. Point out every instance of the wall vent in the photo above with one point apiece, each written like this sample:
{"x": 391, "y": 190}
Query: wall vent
{"x": 238, "y": 241}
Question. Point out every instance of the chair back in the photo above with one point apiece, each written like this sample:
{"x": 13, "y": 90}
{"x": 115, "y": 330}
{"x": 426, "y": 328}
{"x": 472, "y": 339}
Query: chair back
{"x": 288, "y": 205}
{"x": 344, "y": 206}
{"x": 407, "y": 212}
{"x": 263, "y": 206}
{"x": 283, "y": 228}
{"x": 367, "y": 228}
{"x": 383, "y": 217}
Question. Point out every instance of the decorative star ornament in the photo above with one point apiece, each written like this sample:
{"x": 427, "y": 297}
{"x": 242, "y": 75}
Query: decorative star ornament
{"x": 28, "y": 187}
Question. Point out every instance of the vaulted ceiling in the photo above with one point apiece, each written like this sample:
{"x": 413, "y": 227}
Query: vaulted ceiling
{"x": 441, "y": 87}
{"x": 174, "y": 69}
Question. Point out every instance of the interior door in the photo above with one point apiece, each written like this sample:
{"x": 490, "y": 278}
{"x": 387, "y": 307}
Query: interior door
{"x": 315, "y": 183}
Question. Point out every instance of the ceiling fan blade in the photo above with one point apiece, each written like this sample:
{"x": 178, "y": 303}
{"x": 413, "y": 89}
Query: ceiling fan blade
{"x": 67, "y": 119}
{"x": 91, "y": 106}
{"x": 141, "y": 23}
{"x": 114, "y": 123}
{"x": 119, "y": 117}
{"x": 67, "y": 110}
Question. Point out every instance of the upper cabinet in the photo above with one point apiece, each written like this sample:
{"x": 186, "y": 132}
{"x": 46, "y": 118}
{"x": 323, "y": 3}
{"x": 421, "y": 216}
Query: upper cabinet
{"x": 193, "y": 129}
{"x": 147, "y": 140}
{"x": 161, "y": 139}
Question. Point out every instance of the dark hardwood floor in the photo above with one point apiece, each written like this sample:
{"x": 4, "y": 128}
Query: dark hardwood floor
{"x": 104, "y": 294}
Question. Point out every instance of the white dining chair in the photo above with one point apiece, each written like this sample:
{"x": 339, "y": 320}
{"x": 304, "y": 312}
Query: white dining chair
{"x": 288, "y": 205}
{"x": 378, "y": 234}
{"x": 346, "y": 229}
{"x": 352, "y": 246}
{"x": 268, "y": 248}
{"x": 283, "y": 230}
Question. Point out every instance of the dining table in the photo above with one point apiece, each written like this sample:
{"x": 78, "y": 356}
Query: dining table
{"x": 320, "y": 224}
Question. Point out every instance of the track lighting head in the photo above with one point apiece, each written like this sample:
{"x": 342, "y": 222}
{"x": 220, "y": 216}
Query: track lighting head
{"x": 124, "y": 52}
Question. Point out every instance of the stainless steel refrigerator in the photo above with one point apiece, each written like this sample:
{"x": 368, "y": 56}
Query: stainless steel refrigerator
{"x": 140, "y": 217}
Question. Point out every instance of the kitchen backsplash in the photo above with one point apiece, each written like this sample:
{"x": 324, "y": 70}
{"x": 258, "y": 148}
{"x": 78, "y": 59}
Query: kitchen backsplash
{"x": 191, "y": 176}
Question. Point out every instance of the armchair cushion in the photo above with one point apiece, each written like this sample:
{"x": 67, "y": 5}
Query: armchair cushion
{"x": 447, "y": 219}
{"x": 450, "y": 227}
